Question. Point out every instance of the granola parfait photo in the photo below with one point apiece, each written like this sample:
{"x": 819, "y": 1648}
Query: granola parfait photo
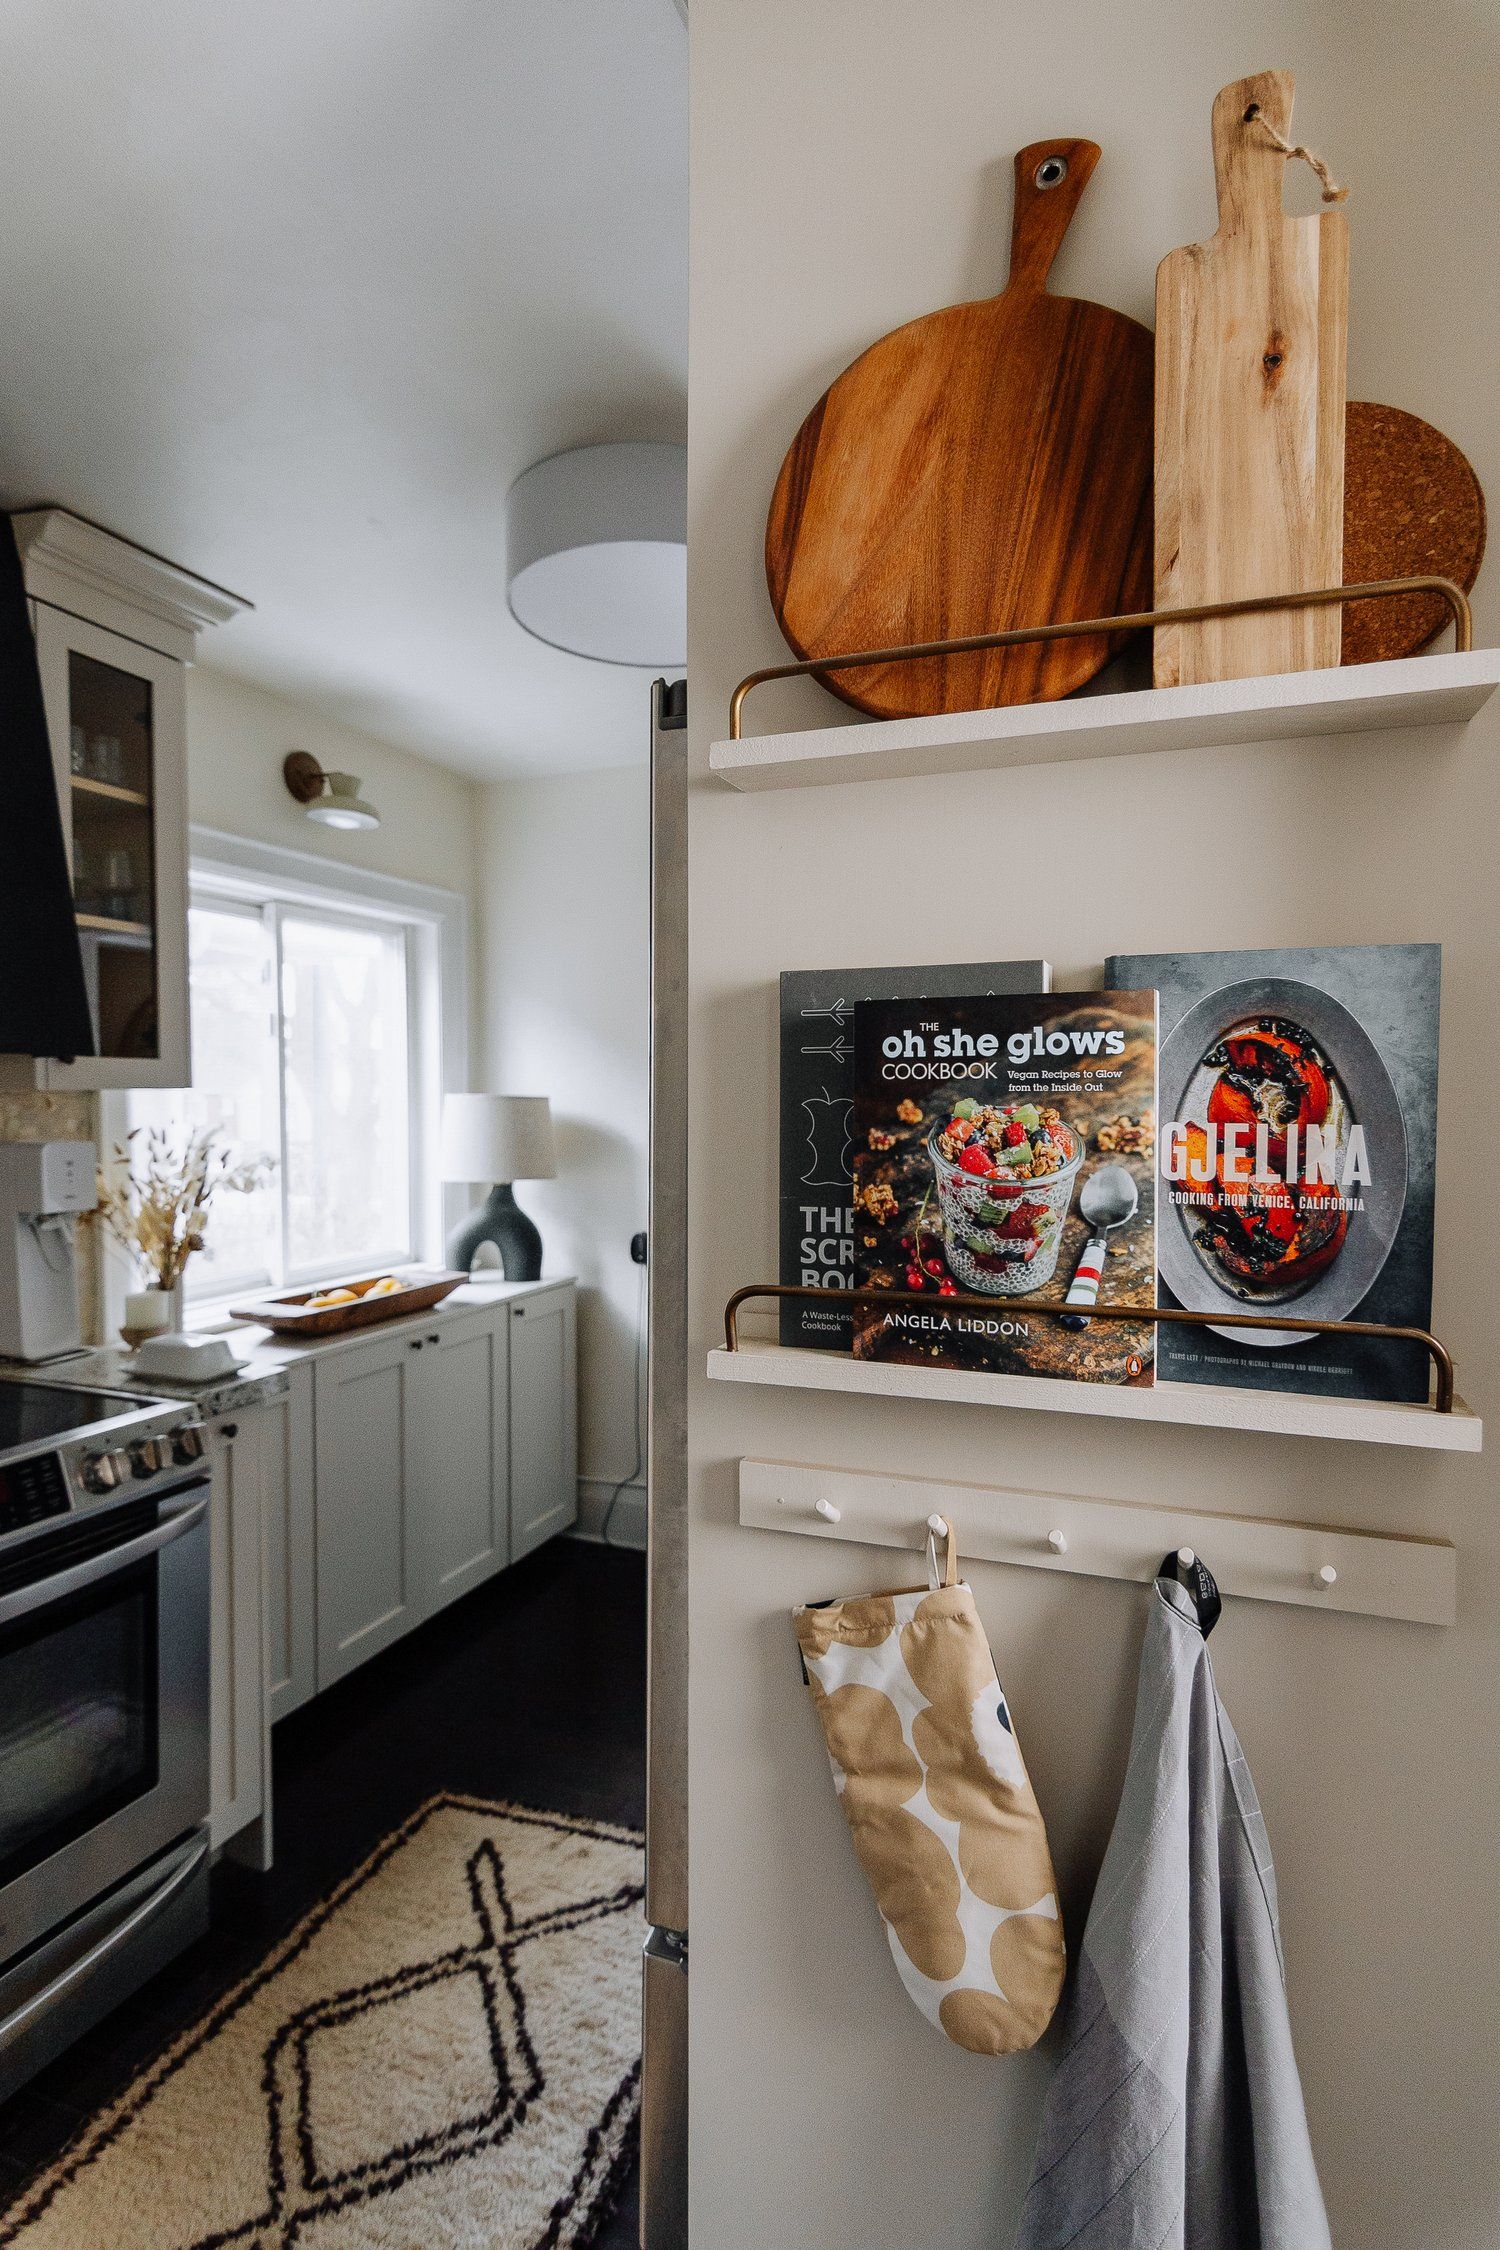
{"x": 977, "y": 1123}
{"x": 1005, "y": 1177}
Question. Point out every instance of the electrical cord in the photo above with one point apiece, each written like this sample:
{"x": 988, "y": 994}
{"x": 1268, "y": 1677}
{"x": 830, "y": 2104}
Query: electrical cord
{"x": 632, "y": 1475}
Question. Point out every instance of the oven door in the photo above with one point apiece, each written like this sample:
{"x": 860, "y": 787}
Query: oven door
{"x": 103, "y": 1702}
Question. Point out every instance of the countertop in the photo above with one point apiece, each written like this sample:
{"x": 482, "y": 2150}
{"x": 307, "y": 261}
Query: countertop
{"x": 267, "y": 1359}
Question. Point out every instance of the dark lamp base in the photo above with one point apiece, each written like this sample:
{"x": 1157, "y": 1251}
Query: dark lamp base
{"x": 499, "y": 1219}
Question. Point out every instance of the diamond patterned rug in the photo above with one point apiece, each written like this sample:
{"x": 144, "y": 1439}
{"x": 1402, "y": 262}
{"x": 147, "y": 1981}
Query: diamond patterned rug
{"x": 444, "y": 2055}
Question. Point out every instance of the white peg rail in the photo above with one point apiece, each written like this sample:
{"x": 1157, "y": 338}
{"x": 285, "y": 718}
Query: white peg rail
{"x": 1368, "y": 1573}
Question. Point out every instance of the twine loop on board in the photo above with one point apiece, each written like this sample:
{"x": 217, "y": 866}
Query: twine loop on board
{"x": 1332, "y": 192}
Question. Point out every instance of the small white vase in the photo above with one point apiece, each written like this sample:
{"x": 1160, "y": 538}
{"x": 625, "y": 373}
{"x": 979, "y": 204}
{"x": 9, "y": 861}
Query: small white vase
{"x": 148, "y": 1312}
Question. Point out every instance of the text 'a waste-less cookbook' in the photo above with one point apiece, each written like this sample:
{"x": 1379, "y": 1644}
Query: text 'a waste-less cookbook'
{"x": 1299, "y": 1116}
{"x": 1004, "y": 1149}
{"x": 817, "y": 1107}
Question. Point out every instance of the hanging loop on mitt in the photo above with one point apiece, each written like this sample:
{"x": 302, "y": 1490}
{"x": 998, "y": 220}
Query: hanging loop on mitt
{"x": 941, "y": 1527}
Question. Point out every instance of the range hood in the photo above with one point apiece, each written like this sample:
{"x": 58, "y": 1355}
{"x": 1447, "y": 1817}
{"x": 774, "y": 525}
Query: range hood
{"x": 44, "y": 1005}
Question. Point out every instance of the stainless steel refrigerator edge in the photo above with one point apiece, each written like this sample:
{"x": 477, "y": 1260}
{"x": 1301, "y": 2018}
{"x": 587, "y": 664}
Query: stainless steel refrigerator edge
{"x": 664, "y": 2089}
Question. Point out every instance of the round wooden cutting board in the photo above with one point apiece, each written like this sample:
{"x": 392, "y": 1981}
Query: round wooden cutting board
{"x": 984, "y": 467}
{"x": 1412, "y": 506}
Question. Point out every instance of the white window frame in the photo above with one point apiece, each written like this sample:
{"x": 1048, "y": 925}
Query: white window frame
{"x": 436, "y": 923}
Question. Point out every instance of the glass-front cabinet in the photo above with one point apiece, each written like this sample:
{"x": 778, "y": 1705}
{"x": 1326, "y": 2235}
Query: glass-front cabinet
{"x": 115, "y": 629}
{"x": 118, "y": 708}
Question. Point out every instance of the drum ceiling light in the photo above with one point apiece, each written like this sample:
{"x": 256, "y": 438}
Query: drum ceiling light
{"x": 596, "y": 561}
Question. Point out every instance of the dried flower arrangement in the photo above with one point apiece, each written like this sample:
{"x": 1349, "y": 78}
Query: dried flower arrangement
{"x": 158, "y": 1210}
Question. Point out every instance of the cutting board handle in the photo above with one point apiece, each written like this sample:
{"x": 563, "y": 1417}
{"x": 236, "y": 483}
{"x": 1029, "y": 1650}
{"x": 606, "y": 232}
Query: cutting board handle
{"x": 1248, "y": 166}
{"x": 1050, "y": 178}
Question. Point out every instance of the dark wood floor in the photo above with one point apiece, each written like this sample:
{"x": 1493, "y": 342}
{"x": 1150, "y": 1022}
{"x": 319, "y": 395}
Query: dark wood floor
{"x": 532, "y": 1688}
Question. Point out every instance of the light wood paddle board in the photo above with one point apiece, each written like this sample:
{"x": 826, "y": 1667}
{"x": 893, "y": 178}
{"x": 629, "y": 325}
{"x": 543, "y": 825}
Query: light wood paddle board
{"x": 1250, "y": 354}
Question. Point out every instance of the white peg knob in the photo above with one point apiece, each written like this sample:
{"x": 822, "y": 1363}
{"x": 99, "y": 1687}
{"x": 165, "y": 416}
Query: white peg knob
{"x": 1186, "y": 1557}
{"x": 1058, "y": 1542}
{"x": 827, "y": 1510}
{"x": 1327, "y": 1576}
{"x": 938, "y": 1526}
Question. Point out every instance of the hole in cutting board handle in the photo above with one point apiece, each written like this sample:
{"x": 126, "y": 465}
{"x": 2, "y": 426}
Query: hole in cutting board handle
{"x": 1051, "y": 172}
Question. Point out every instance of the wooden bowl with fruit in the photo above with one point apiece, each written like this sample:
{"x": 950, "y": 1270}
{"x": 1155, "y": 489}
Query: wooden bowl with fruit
{"x": 341, "y": 1306}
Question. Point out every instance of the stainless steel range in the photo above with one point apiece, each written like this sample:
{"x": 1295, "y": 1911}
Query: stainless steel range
{"x": 104, "y": 1683}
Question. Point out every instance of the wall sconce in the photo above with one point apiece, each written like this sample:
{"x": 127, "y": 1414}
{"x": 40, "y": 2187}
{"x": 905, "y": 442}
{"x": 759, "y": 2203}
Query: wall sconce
{"x": 332, "y": 798}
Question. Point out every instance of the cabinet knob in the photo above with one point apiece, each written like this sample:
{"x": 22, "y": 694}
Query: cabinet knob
{"x": 229, "y": 1429}
{"x": 415, "y": 1345}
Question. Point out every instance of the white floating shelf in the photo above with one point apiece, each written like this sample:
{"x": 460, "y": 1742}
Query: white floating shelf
{"x": 1318, "y": 1566}
{"x": 1413, "y": 691}
{"x": 1208, "y": 1406}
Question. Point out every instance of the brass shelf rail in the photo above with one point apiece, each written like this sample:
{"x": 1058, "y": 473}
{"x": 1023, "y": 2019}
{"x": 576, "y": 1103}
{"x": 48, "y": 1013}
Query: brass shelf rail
{"x": 1157, "y": 1316}
{"x": 1379, "y": 589}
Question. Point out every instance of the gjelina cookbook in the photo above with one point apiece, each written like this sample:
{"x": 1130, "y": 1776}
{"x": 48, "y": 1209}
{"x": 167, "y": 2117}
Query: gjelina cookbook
{"x": 1299, "y": 1110}
{"x": 1004, "y": 1149}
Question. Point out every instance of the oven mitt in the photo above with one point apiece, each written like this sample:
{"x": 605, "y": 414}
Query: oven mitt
{"x": 944, "y": 1820}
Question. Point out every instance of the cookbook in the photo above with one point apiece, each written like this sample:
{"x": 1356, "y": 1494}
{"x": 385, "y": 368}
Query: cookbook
{"x": 1004, "y": 1149}
{"x": 817, "y": 1102}
{"x": 1299, "y": 1108}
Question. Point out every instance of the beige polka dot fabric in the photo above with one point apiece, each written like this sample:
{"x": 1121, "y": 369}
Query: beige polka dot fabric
{"x": 944, "y": 1819}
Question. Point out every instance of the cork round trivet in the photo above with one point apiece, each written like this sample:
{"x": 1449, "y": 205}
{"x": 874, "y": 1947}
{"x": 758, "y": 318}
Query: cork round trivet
{"x": 1412, "y": 505}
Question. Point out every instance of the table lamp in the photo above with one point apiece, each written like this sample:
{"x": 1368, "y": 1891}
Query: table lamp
{"x": 500, "y": 1138}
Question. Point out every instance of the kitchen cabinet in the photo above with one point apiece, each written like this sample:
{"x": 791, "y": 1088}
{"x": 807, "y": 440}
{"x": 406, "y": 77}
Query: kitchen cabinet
{"x": 369, "y": 1555}
{"x": 386, "y": 1475}
{"x": 239, "y": 1734}
{"x": 443, "y": 1451}
{"x": 285, "y": 1457}
{"x": 461, "y": 1409}
{"x": 543, "y": 1418}
{"x": 115, "y": 631}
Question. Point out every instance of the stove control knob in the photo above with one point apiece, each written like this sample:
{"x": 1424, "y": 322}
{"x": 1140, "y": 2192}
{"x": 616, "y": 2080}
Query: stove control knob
{"x": 147, "y": 1456}
{"x": 101, "y": 1472}
{"x": 187, "y": 1443}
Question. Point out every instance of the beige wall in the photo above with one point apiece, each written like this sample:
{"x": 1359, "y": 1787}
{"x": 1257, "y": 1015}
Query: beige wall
{"x": 851, "y": 168}
{"x": 238, "y": 736}
{"x": 565, "y": 975}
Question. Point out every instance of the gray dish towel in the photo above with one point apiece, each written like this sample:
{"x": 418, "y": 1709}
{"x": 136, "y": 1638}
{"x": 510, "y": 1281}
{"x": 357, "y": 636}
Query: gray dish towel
{"x": 1175, "y": 2119}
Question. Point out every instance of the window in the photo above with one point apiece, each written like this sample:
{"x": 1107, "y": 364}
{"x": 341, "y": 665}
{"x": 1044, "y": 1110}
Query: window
{"x": 304, "y": 1051}
{"x": 346, "y": 1098}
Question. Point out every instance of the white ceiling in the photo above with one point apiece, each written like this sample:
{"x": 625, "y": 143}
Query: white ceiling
{"x": 293, "y": 291}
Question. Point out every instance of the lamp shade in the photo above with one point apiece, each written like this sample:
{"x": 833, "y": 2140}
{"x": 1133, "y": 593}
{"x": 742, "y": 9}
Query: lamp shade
{"x": 498, "y": 1137}
{"x": 596, "y": 544}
